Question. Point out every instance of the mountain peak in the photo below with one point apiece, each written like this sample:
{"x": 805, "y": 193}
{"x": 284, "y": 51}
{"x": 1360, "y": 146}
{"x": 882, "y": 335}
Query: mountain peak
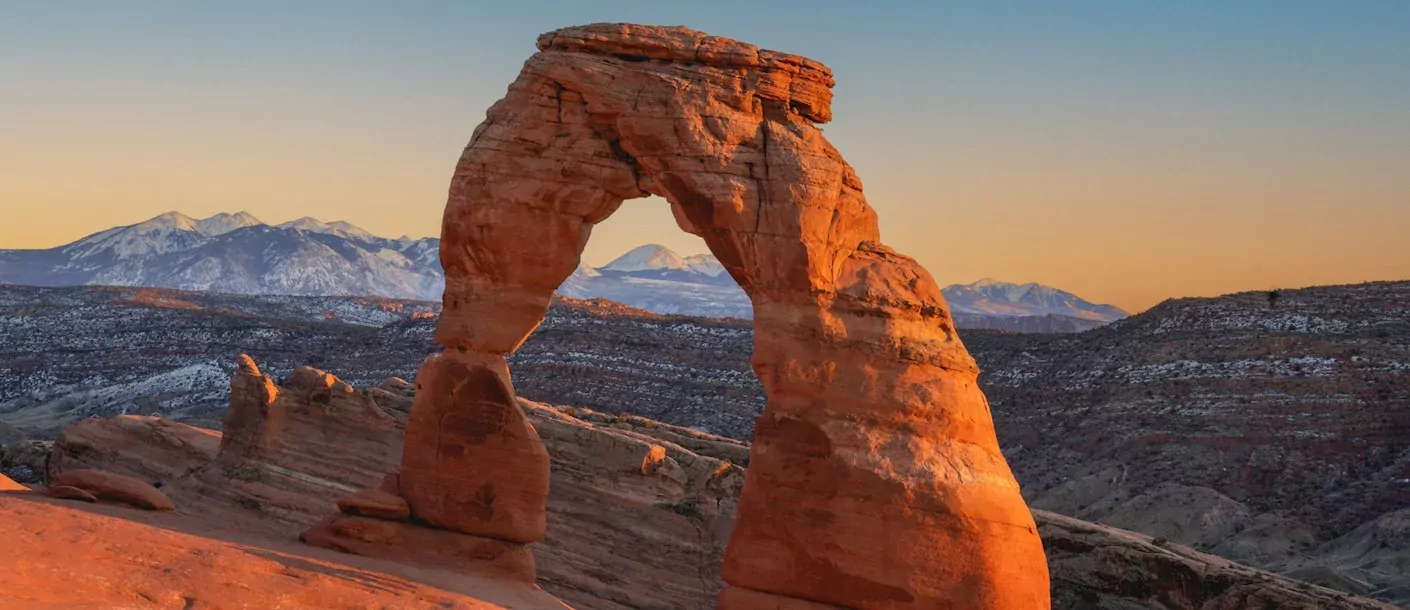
{"x": 989, "y": 296}
{"x": 169, "y": 220}
{"x": 339, "y": 228}
{"x": 223, "y": 223}
{"x": 706, "y": 264}
{"x": 650, "y": 257}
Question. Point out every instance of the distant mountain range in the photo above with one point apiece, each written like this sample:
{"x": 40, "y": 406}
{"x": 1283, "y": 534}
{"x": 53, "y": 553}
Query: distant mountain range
{"x": 1027, "y": 307}
{"x": 653, "y": 277}
{"x": 239, "y": 254}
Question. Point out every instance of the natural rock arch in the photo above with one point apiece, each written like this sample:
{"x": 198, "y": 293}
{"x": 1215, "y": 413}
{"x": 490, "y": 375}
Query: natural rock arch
{"x": 875, "y": 478}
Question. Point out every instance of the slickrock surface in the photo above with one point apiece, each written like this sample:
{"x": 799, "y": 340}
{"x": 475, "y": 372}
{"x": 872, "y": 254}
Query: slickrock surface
{"x": 636, "y": 521}
{"x": 877, "y": 479}
{"x": 112, "y": 487}
{"x": 423, "y": 546}
{"x": 68, "y": 555}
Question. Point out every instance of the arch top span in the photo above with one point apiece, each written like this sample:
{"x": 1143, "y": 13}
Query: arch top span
{"x": 876, "y": 480}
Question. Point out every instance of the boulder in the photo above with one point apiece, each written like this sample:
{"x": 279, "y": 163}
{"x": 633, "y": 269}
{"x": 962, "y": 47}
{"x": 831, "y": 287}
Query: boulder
{"x": 115, "y": 488}
{"x": 377, "y": 504}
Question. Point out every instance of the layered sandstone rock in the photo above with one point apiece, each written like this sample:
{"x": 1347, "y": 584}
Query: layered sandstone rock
{"x": 288, "y": 449}
{"x": 876, "y": 479}
{"x": 151, "y": 449}
{"x": 635, "y": 519}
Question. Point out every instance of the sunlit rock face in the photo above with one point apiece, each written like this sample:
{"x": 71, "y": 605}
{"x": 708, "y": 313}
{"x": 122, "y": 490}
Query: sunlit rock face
{"x": 875, "y": 477}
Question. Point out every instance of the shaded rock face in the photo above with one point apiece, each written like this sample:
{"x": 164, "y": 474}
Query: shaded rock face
{"x": 1096, "y": 567}
{"x": 638, "y": 514}
{"x": 876, "y": 479}
{"x": 151, "y": 449}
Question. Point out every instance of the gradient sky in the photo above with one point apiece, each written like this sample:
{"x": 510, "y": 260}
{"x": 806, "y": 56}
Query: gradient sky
{"x": 1126, "y": 151}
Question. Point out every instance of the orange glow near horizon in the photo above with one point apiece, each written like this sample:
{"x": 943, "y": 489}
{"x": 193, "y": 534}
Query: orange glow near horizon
{"x": 1126, "y": 169}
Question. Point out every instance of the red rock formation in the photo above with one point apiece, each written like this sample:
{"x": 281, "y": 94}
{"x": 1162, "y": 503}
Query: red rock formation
{"x": 110, "y": 487}
{"x": 288, "y": 448}
{"x": 471, "y": 462}
{"x": 148, "y": 448}
{"x": 876, "y": 479}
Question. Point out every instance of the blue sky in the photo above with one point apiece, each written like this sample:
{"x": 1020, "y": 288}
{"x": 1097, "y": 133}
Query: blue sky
{"x": 1200, "y": 146}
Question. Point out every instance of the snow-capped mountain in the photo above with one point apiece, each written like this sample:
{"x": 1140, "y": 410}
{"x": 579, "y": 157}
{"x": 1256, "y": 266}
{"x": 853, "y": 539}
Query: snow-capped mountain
{"x": 237, "y": 253}
{"x": 650, "y": 257}
{"x": 654, "y": 278}
{"x": 994, "y": 298}
{"x": 656, "y": 262}
{"x": 338, "y": 228}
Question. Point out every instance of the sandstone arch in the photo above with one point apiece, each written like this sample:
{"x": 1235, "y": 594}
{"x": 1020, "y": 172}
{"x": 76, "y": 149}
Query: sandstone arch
{"x": 876, "y": 480}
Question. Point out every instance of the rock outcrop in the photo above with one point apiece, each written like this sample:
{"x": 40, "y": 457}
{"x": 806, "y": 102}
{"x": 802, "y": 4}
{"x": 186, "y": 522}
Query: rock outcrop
{"x": 289, "y": 448}
{"x": 151, "y": 449}
{"x": 97, "y": 485}
{"x": 876, "y": 479}
{"x": 1096, "y": 567}
{"x": 635, "y": 519}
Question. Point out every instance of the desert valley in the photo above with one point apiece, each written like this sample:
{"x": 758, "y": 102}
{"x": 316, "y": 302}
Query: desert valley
{"x": 220, "y": 412}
